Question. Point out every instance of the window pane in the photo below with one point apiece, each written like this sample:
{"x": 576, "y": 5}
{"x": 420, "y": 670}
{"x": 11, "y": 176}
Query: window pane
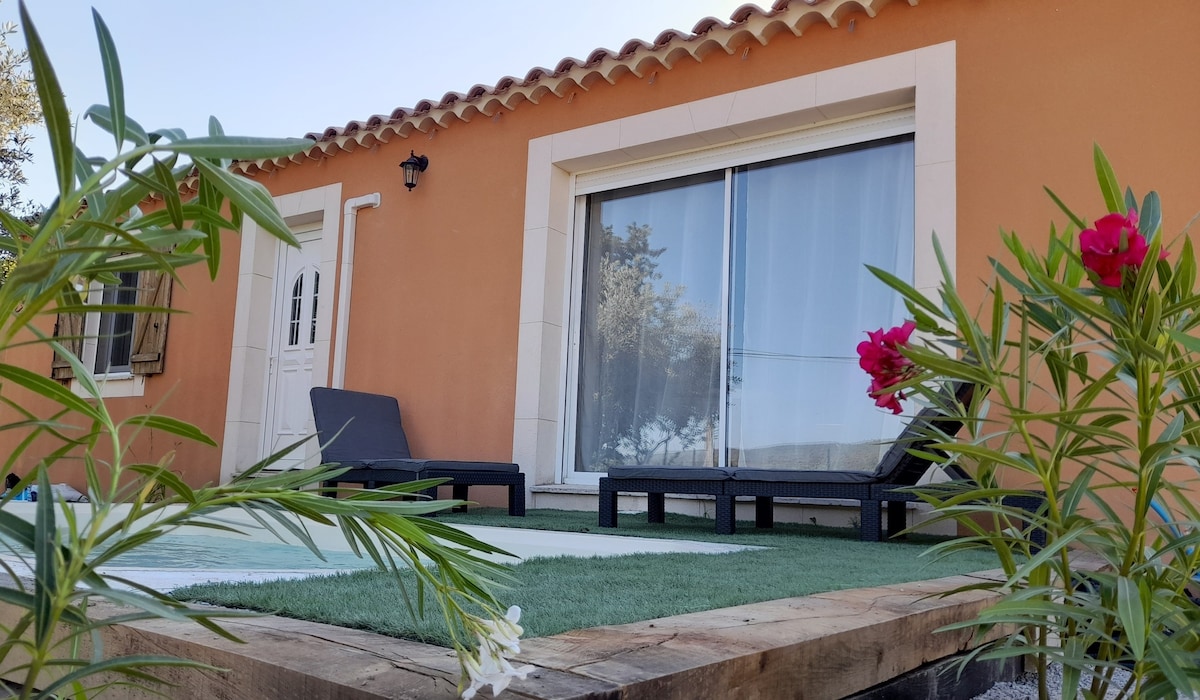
{"x": 115, "y": 338}
{"x": 801, "y": 297}
{"x": 650, "y": 334}
{"x": 294, "y": 313}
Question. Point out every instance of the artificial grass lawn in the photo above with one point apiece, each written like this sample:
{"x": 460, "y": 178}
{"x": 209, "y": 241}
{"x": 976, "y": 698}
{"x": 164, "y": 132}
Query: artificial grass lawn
{"x": 565, "y": 593}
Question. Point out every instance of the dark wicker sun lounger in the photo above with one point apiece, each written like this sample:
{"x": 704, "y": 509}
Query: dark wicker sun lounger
{"x": 363, "y": 432}
{"x": 899, "y": 468}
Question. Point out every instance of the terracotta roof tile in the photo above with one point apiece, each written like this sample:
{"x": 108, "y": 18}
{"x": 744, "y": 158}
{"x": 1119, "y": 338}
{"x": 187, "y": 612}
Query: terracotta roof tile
{"x": 747, "y": 23}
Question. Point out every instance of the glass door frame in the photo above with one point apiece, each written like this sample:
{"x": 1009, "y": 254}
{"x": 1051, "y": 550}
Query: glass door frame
{"x": 859, "y": 129}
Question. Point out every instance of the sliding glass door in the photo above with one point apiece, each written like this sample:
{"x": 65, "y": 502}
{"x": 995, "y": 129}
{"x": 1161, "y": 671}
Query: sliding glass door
{"x": 720, "y": 312}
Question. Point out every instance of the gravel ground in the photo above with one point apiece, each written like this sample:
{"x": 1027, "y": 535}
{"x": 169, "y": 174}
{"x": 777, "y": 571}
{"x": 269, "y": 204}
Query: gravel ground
{"x": 1025, "y": 688}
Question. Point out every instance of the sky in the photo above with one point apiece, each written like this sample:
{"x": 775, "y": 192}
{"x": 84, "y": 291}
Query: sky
{"x": 290, "y": 67}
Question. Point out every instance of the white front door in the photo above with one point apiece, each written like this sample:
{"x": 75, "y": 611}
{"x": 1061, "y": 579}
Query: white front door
{"x": 290, "y": 362}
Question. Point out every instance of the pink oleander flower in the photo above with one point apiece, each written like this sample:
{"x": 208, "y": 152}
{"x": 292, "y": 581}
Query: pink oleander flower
{"x": 890, "y": 401}
{"x": 880, "y": 357}
{"x": 1113, "y": 245}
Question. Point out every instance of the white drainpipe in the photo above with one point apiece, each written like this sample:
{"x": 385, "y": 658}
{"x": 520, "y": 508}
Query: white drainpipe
{"x": 349, "y": 221}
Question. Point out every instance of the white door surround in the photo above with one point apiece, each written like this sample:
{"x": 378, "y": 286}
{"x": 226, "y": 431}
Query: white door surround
{"x": 316, "y": 209}
{"x": 924, "y": 78}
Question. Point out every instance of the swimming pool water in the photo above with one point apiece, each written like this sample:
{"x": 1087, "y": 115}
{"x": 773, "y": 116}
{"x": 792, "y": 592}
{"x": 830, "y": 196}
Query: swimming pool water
{"x": 214, "y": 553}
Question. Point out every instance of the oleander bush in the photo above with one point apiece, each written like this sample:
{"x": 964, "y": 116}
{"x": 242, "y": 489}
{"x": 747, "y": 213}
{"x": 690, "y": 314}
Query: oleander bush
{"x": 1089, "y": 366}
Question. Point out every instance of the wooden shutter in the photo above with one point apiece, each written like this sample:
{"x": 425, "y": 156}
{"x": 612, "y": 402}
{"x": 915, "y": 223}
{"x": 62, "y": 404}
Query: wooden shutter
{"x": 150, "y": 329}
{"x": 68, "y": 329}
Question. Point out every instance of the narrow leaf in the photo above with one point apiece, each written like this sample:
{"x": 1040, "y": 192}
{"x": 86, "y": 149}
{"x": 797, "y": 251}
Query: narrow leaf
{"x": 251, "y": 198}
{"x": 167, "y": 478}
{"x": 101, "y": 116}
{"x": 48, "y": 388}
{"x": 173, "y": 426}
{"x": 112, "y": 77}
{"x": 54, "y": 108}
{"x": 45, "y": 561}
{"x": 238, "y": 147}
{"x": 1079, "y": 223}
{"x": 1108, "y": 181}
{"x": 1133, "y": 615}
{"x": 1150, "y": 216}
{"x": 170, "y": 192}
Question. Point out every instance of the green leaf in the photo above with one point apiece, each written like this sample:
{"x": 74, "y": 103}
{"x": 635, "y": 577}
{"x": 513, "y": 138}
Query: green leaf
{"x": 1150, "y": 216}
{"x": 208, "y": 198}
{"x": 1132, "y": 597}
{"x": 102, "y": 116}
{"x": 112, "y": 77}
{"x": 168, "y": 135}
{"x": 1189, "y": 342}
{"x": 238, "y": 147}
{"x": 216, "y": 130}
{"x": 1108, "y": 182}
{"x": 251, "y": 198}
{"x": 14, "y": 225}
{"x": 1130, "y": 200}
{"x": 906, "y": 290}
{"x": 193, "y": 212}
{"x": 150, "y": 184}
{"x": 1169, "y": 662}
{"x": 287, "y": 520}
{"x": 1079, "y": 223}
{"x": 45, "y": 563}
{"x": 55, "y": 114}
{"x": 50, "y": 389}
{"x": 170, "y": 192}
{"x": 125, "y": 665}
{"x": 171, "y": 425}
{"x": 170, "y": 479}
{"x": 1070, "y": 681}
{"x": 17, "y": 529}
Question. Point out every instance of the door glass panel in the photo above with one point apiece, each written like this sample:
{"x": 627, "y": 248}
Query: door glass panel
{"x": 804, "y": 229}
{"x": 316, "y": 294}
{"x": 650, "y": 334}
{"x": 297, "y": 300}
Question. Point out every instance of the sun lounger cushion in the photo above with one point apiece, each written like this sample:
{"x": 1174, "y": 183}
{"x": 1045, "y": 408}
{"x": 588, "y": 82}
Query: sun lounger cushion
{"x": 443, "y": 465}
{"x": 802, "y": 477}
{"x": 402, "y": 465}
{"x": 642, "y": 471}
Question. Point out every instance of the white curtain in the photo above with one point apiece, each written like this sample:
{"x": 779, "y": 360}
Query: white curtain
{"x": 800, "y": 298}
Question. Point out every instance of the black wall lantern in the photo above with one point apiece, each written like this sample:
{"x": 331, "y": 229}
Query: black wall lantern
{"x": 413, "y": 167}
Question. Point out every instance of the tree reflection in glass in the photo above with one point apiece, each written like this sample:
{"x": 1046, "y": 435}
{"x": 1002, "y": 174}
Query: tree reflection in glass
{"x": 651, "y": 332}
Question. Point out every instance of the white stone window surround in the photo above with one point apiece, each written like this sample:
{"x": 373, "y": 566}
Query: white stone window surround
{"x": 924, "y": 78}
{"x": 252, "y": 321}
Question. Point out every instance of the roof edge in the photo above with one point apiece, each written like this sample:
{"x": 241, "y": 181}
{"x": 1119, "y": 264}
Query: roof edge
{"x": 748, "y": 23}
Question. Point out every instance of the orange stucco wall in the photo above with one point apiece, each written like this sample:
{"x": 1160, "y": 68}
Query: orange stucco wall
{"x": 437, "y": 270}
{"x": 192, "y": 387}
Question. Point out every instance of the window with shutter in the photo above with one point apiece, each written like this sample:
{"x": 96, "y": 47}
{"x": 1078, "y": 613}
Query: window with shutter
{"x": 68, "y": 331}
{"x": 120, "y": 347}
{"x": 150, "y": 329}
